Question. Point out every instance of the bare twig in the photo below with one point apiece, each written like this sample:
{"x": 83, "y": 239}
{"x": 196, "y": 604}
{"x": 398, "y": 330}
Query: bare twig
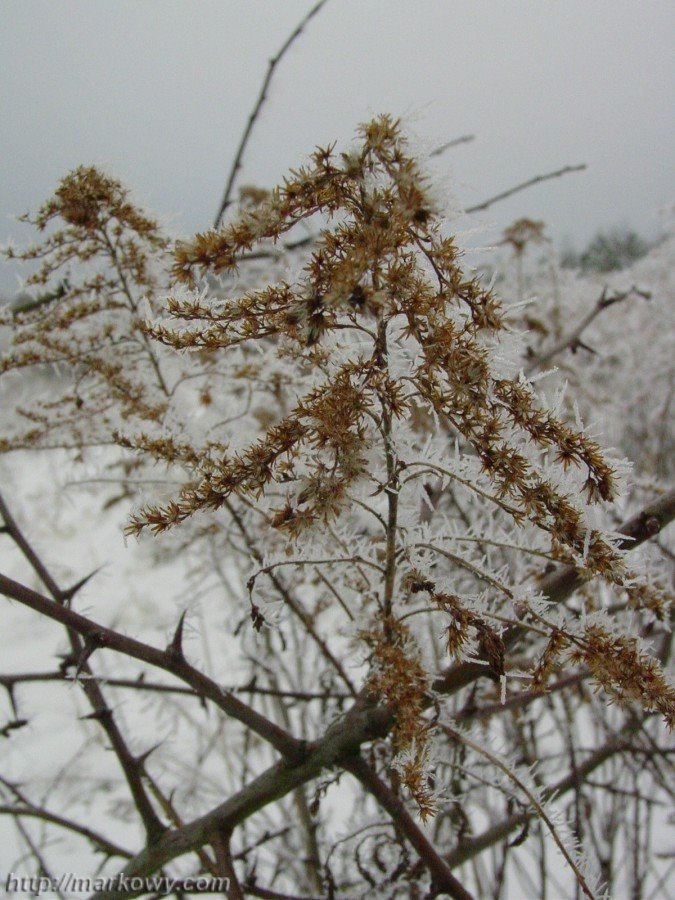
{"x": 464, "y": 139}
{"x": 36, "y": 853}
{"x": 140, "y": 684}
{"x": 521, "y": 187}
{"x": 99, "y": 841}
{"x": 262, "y": 96}
{"x": 485, "y": 204}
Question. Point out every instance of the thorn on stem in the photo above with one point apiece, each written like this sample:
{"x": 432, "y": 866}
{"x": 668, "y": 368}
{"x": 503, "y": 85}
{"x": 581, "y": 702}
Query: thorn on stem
{"x": 12, "y": 725}
{"x": 104, "y": 714}
{"x": 175, "y": 648}
{"x": 140, "y": 761}
{"x": 92, "y": 642}
{"x": 67, "y": 595}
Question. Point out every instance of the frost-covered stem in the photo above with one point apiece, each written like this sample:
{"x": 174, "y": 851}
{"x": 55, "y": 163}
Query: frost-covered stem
{"x": 468, "y": 566}
{"x": 112, "y": 251}
{"x": 520, "y": 276}
{"x": 291, "y": 602}
{"x": 538, "y": 808}
{"x": 392, "y": 486}
{"x": 441, "y": 470}
{"x": 665, "y": 423}
{"x": 562, "y": 582}
{"x": 443, "y": 881}
{"x": 555, "y": 314}
{"x": 471, "y": 847}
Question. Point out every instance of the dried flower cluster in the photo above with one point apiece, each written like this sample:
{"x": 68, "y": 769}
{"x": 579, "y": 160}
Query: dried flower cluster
{"x": 99, "y": 259}
{"x": 389, "y": 327}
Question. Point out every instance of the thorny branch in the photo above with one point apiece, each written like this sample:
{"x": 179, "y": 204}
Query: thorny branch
{"x": 572, "y": 341}
{"x": 361, "y": 724}
{"x": 97, "y": 637}
{"x": 131, "y": 766}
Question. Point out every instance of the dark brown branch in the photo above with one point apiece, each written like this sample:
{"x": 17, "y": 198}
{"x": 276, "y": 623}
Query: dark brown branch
{"x": 573, "y": 340}
{"x": 262, "y": 96}
{"x": 521, "y": 187}
{"x": 100, "y": 637}
{"x": 442, "y": 878}
{"x": 363, "y": 722}
{"x": 267, "y": 836}
{"x": 132, "y": 768}
{"x": 220, "y": 841}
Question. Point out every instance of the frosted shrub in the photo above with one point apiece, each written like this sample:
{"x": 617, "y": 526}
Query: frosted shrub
{"x": 397, "y": 520}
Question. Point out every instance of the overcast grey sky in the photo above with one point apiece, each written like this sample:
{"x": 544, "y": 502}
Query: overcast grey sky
{"x": 158, "y": 91}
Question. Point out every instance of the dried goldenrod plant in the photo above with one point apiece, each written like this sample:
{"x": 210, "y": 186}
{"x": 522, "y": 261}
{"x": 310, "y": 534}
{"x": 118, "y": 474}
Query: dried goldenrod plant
{"x": 364, "y": 459}
{"x": 101, "y": 256}
{"x": 389, "y": 327}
